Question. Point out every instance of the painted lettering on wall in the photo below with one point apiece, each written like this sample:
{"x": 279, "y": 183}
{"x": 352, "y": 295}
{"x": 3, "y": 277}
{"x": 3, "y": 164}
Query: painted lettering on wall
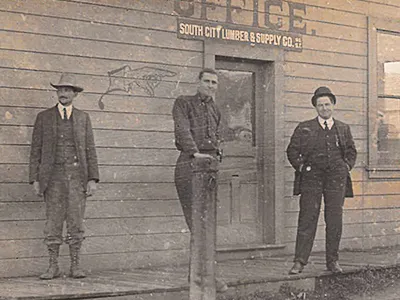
{"x": 192, "y": 29}
{"x": 272, "y": 14}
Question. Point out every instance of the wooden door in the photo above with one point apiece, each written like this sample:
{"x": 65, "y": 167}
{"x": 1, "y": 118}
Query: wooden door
{"x": 240, "y": 98}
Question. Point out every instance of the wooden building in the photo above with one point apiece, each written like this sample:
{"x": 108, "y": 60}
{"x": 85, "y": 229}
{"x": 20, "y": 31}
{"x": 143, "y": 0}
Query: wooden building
{"x": 134, "y": 57}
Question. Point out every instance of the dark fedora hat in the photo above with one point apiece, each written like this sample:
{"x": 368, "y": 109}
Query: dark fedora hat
{"x": 67, "y": 80}
{"x": 321, "y": 92}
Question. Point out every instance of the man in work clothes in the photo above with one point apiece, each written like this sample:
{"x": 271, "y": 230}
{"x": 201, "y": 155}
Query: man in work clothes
{"x": 322, "y": 152}
{"x": 63, "y": 168}
{"x": 197, "y": 123}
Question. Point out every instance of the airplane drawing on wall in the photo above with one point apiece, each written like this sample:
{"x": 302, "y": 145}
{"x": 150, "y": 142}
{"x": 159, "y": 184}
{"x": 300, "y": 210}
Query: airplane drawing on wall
{"x": 125, "y": 79}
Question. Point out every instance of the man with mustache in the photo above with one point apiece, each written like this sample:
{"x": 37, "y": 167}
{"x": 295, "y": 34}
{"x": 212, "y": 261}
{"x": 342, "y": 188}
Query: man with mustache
{"x": 63, "y": 169}
{"x": 197, "y": 122}
{"x": 322, "y": 152}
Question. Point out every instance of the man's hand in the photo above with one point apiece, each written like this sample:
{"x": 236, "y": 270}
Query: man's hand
{"x": 91, "y": 188}
{"x": 201, "y": 155}
{"x": 36, "y": 188}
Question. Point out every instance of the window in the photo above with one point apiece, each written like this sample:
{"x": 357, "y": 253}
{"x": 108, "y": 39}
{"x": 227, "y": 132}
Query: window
{"x": 384, "y": 99}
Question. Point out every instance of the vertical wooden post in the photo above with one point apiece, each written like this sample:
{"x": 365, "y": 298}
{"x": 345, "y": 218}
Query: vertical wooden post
{"x": 203, "y": 235}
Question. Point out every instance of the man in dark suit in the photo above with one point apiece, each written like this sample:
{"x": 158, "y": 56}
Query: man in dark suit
{"x": 197, "y": 122}
{"x": 63, "y": 168}
{"x": 322, "y": 152}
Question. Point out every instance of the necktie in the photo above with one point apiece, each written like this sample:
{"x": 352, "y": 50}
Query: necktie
{"x": 326, "y": 126}
{"x": 65, "y": 114}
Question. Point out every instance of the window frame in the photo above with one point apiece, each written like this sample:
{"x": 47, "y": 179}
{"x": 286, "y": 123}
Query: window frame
{"x": 374, "y": 26}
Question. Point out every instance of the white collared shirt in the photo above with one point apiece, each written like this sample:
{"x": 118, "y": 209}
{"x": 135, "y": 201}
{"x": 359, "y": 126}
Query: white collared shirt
{"x": 329, "y": 121}
{"x": 61, "y": 110}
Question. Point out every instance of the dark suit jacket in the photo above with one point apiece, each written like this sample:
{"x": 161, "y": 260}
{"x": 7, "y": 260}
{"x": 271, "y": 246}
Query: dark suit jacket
{"x": 44, "y": 141}
{"x": 303, "y": 141}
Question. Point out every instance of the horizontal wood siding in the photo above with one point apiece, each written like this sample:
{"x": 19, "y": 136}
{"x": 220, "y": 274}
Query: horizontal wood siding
{"x": 135, "y": 218}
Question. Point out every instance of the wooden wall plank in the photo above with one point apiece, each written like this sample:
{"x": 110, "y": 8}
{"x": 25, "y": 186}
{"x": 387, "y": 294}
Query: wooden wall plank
{"x": 11, "y": 154}
{"x": 100, "y": 120}
{"x": 134, "y": 139}
{"x": 381, "y": 187}
{"x": 108, "y": 174}
{"x": 95, "y": 13}
{"x": 328, "y": 58}
{"x": 383, "y": 11}
{"x": 22, "y": 135}
{"x": 20, "y": 192}
{"x": 11, "y": 249}
{"x": 303, "y": 85}
{"x": 89, "y": 65}
{"x": 95, "y": 209}
{"x": 334, "y": 45}
{"x": 324, "y": 72}
{"x": 95, "y": 31}
{"x": 19, "y": 230}
{"x": 105, "y": 50}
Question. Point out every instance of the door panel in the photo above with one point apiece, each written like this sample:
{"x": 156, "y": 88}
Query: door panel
{"x": 238, "y": 98}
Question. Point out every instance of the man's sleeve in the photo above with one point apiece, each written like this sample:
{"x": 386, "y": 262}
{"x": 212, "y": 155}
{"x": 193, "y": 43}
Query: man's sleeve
{"x": 91, "y": 155}
{"x": 36, "y": 150}
{"x": 293, "y": 150}
{"x": 183, "y": 136}
{"x": 351, "y": 151}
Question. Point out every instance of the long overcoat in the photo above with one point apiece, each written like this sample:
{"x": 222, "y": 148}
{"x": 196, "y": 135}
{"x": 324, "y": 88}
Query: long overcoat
{"x": 304, "y": 140}
{"x": 44, "y": 141}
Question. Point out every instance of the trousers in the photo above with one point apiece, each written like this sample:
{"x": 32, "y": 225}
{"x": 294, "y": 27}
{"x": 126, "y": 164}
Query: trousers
{"x": 65, "y": 202}
{"x": 315, "y": 183}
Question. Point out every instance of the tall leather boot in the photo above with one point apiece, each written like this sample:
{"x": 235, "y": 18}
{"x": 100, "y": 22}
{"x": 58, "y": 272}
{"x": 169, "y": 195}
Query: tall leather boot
{"x": 53, "y": 271}
{"x": 75, "y": 271}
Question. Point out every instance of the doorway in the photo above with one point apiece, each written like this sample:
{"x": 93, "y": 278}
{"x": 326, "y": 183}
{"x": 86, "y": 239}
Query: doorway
{"x": 242, "y": 196}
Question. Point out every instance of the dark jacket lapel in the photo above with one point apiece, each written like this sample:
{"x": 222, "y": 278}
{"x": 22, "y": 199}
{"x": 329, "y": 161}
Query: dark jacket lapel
{"x": 77, "y": 124}
{"x": 341, "y": 132}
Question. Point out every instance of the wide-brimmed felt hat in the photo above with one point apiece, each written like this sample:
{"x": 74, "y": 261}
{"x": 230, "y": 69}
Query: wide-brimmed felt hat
{"x": 67, "y": 80}
{"x": 321, "y": 92}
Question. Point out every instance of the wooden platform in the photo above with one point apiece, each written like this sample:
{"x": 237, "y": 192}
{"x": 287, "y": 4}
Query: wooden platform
{"x": 169, "y": 283}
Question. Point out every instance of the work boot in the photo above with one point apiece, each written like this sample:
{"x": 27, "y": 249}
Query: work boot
{"x": 53, "y": 271}
{"x": 297, "y": 268}
{"x": 75, "y": 271}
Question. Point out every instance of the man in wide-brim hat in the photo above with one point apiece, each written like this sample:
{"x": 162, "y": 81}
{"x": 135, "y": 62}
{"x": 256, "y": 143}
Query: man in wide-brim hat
{"x": 63, "y": 169}
{"x": 322, "y": 152}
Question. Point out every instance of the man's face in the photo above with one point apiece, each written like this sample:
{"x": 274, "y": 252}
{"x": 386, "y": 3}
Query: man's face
{"x": 66, "y": 95}
{"x": 324, "y": 107}
{"x": 208, "y": 85}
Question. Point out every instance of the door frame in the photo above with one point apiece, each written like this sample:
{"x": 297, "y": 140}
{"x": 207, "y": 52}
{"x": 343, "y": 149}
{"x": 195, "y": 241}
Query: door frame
{"x": 274, "y": 131}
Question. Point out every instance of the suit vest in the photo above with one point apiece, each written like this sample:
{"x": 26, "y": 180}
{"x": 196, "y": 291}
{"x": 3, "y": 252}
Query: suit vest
{"x": 326, "y": 152}
{"x": 65, "y": 148}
